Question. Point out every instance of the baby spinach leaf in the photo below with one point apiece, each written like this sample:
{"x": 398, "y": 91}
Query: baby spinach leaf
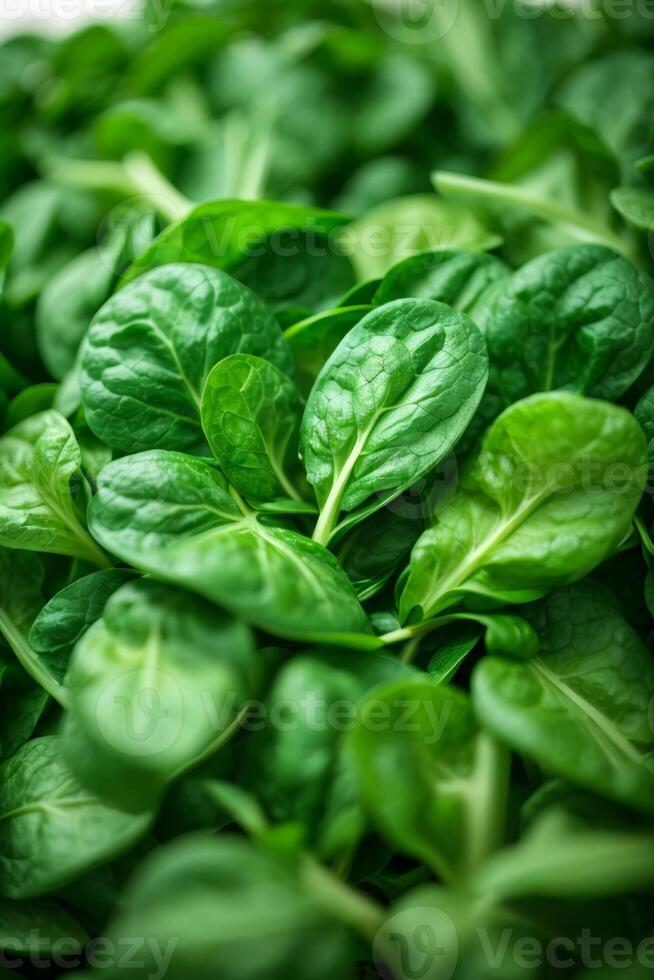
{"x": 224, "y": 233}
{"x": 180, "y": 894}
{"x": 151, "y": 347}
{"x": 296, "y": 763}
{"x": 636, "y": 206}
{"x": 152, "y": 685}
{"x": 562, "y": 859}
{"x": 67, "y": 616}
{"x": 580, "y": 707}
{"x": 171, "y": 515}
{"x": 452, "y": 277}
{"x": 251, "y": 416}
{"x": 39, "y": 927}
{"x": 389, "y": 404}
{"x": 6, "y": 248}
{"x": 644, "y": 412}
{"x": 51, "y": 828}
{"x": 21, "y": 598}
{"x": 394, "y": 230}
{"x": 422, "y": 738}
{"x": 548, "y": 496}
{"x": 43, "y": 494}
{"x": 70, "y": 299}
{"x": 579, "y": 318}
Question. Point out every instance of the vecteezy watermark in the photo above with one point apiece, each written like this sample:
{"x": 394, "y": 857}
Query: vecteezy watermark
{"x": 63, "y": 12}
{"x": 140, "y": 715}
{"x": 38, "y": 950}
{"x": 424, "y": 943}
{"x": 416, "y": 944}
{"x": 429, "y": 21}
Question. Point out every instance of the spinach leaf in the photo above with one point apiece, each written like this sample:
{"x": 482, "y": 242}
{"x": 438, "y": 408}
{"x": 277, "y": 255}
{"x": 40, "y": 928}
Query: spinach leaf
{"x": 548, "y": 496}
{"x": 39, "y": 927}
{"x": 21, "y": 598}
{"x": 580, "y": 707}
{"x": 389, "y": 404}
{"x": 51, "y": 828}
{"x": 64, "y": 620}
{"x": 636, "y": 206}
{"x": 579, "y": 318}
{"x": 186, "y": 888}
{"x": 296, "y": 763}
{"x": 223, "y": 234}
{"x": 394, "y": 230}
{"x": 251, "y": 416}
{"x": 43, "y": 494}
{"x": 153, "y": 685}
{"x": 151, "y": 347}
{"x": 456, "y": 278}
{"x": 449, "y": 780}
{"x": 171, "y": 515}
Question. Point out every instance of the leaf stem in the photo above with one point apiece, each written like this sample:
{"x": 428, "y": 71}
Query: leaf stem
{"x": 347, "y": 904}
{"x": 30, "y": 661}
{"x": 462, "y": 187}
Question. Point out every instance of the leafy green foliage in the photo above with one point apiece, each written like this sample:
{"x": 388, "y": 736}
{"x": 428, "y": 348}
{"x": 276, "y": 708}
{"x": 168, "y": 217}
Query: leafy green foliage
{"x": 326, "y": 526}
{"x": 528, "y": 515}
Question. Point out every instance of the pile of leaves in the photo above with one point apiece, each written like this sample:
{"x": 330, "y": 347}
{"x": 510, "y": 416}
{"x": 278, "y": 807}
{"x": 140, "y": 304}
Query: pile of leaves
{"x": 326, "y": 457}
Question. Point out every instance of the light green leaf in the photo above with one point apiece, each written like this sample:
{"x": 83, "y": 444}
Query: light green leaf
{"x": 152, "y": 686}
{"x": 549, "y": 495}
{"x": 580, "y": 707}
{"x": 151, "y": 347}
{"x": 251, "y": 416}
{"x": 171, "y": 515}
{"x": 51, "y": 828}
{"x": 43, "y": 494}
{"x": 389, "y": 404}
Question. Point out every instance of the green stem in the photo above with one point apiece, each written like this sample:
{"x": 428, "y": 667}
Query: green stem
{"x": 459, "y": 186}
{"x": 643, "y": 533}
{"x": 136, "y": 175}
{"x": 347, "y": 904}
{"x": 29, "y": 661}
{"x": 487, "y": 818}
{"x": 150, "y": 182}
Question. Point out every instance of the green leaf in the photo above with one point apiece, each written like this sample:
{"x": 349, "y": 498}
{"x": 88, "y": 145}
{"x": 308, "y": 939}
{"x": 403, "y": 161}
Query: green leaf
{"x": 580, "y": 707}
{"x": 70, "y": 299}
{"x": 152, "y": 686}
{"x": 21, "y": 598}
{"x": 251, "y": 416}
{"x": 389, "y": 404}
{"x": 224, "y": 233}
{"x": 37, "y": 928}
{"x": 269, "y": 919}
{"x": 549, "y": 495}
{"x": 392, "y": 231}
{"x": 6, "y": 248}
{"x": 171, "y": 515}
{"x": 455, "y": 278}
{"x": 151, "y": 347}
{"x": 51, "y": 828}
{"x": 579, "y": 318}
{"x": 449, "y": 781}
{"x": 561, "y": 859}
{"x": 296, "y": 763}
{"x": 68, "y": 615}
{"x": 636, "y": 206}
{"x": 43, "y": 494}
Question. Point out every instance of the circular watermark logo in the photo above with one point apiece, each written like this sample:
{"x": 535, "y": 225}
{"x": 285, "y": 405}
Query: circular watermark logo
{"x": 416, "y": 944}
{"x": 140, "y": 713}
{"x": 416, "y": 21}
